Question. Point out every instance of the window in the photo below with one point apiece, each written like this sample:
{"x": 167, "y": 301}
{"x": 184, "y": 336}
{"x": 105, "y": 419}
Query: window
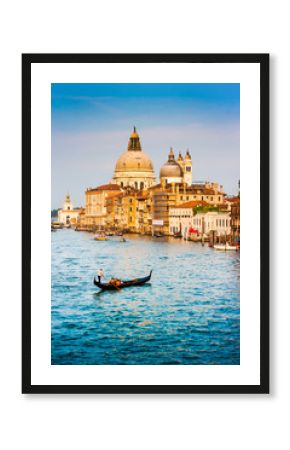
{"x": 141, "y": 185}
{"x": 130, "y": 209}
{"x": 188, "y": 169}
{"x": 187, "y": 198}
{"x": 181, "y": 198}
{"x": 131, "y": 219}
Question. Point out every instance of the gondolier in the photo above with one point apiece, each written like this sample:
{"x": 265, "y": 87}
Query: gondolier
{"x": 100, "y": 274}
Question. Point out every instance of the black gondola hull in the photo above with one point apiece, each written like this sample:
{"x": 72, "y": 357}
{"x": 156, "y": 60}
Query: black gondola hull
{"x": 124, "y": 284}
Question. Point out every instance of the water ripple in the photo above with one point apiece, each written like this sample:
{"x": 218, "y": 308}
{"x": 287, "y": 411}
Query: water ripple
{"x": 188, "y": 314}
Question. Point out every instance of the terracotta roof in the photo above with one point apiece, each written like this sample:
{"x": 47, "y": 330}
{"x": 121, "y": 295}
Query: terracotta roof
{"x": 233, "y": 200}
{"x": 193, "y": 204}
{"x": 105, "y": 187}
{"x": 115, "y": 194}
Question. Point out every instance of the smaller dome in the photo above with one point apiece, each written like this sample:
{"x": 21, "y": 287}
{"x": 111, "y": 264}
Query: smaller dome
{"x": 171, "y": 169}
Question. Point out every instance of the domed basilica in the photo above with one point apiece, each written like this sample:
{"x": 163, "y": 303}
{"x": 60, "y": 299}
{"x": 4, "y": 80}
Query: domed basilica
{"x": 134, "y": 168}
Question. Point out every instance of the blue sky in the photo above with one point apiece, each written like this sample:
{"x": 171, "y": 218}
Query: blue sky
{"x": 91, "y": 125}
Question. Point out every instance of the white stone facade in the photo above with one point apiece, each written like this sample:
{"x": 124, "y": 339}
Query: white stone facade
{"x": 182, "y": 219}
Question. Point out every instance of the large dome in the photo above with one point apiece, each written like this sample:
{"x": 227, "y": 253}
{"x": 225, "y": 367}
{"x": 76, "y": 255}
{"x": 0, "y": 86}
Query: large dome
{"x": 134, "y": 168}
{"x": 134, "y": 162}
{"x": 134, "y": 159}
{"x": 171, "y": 169}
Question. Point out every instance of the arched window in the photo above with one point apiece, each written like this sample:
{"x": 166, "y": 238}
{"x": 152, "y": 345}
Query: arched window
{"x": 136, "y": 185}
{"x": 122, "y": 184}
{"x": 142, "y": 185}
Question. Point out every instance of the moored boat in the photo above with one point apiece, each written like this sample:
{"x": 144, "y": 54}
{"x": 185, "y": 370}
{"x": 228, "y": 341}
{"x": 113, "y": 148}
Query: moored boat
{"x": 225, "y": 247}
{"x": 56, "y": 225}
{"x": 116, "y": 284}
{"x": 100, "y": 237}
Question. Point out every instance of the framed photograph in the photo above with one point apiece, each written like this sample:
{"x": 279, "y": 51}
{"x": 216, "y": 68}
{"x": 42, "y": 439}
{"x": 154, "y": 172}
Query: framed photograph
{"x": 145, "y": 223}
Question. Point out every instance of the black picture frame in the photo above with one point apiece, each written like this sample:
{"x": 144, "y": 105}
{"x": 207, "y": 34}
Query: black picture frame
{"x": 263, "y": 61}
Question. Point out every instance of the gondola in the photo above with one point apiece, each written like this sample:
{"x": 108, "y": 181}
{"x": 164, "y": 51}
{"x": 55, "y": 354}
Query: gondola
{"x": 124, "y": 283}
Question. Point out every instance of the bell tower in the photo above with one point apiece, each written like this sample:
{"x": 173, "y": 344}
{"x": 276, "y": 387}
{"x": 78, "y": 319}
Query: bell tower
{"x": 187, "y": 168}
{"x": 67, "y": 205}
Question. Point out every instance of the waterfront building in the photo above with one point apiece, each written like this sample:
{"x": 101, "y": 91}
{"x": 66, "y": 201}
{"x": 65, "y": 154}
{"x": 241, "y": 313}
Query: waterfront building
{"x": 144, "y": 212}
{"x": 201, "y": 217}
{"x": 68, "y": 215}
{"x": 163, "y": 198}
{"x": 96, "y": 212}
{"x": 129, "y": 204}
{"x": 166, "y": 196}
{"x": 81, "y": 222}
{"x": 235, "y": 217}
{"x": 134, "y": 168}
{"x": 114, "y": 211}
{"x": 209, "y": 192}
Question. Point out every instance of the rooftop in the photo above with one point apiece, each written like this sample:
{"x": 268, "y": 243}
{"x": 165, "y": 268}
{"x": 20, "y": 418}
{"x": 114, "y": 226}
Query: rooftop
{"x": 105, "y": 187}
{"x": 193, "y": 204}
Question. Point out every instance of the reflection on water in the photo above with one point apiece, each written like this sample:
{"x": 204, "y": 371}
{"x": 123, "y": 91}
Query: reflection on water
{"x": 188, "y": 314}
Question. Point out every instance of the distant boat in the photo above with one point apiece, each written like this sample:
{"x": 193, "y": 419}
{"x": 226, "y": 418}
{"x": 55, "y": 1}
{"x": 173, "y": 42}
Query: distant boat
{"x": 56, "y": 225}
{"x": 116, "y": 284}
{"x": 225, "y": 247}
{"x": 158, "y": 235}
{"x": 100, "y": 237}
